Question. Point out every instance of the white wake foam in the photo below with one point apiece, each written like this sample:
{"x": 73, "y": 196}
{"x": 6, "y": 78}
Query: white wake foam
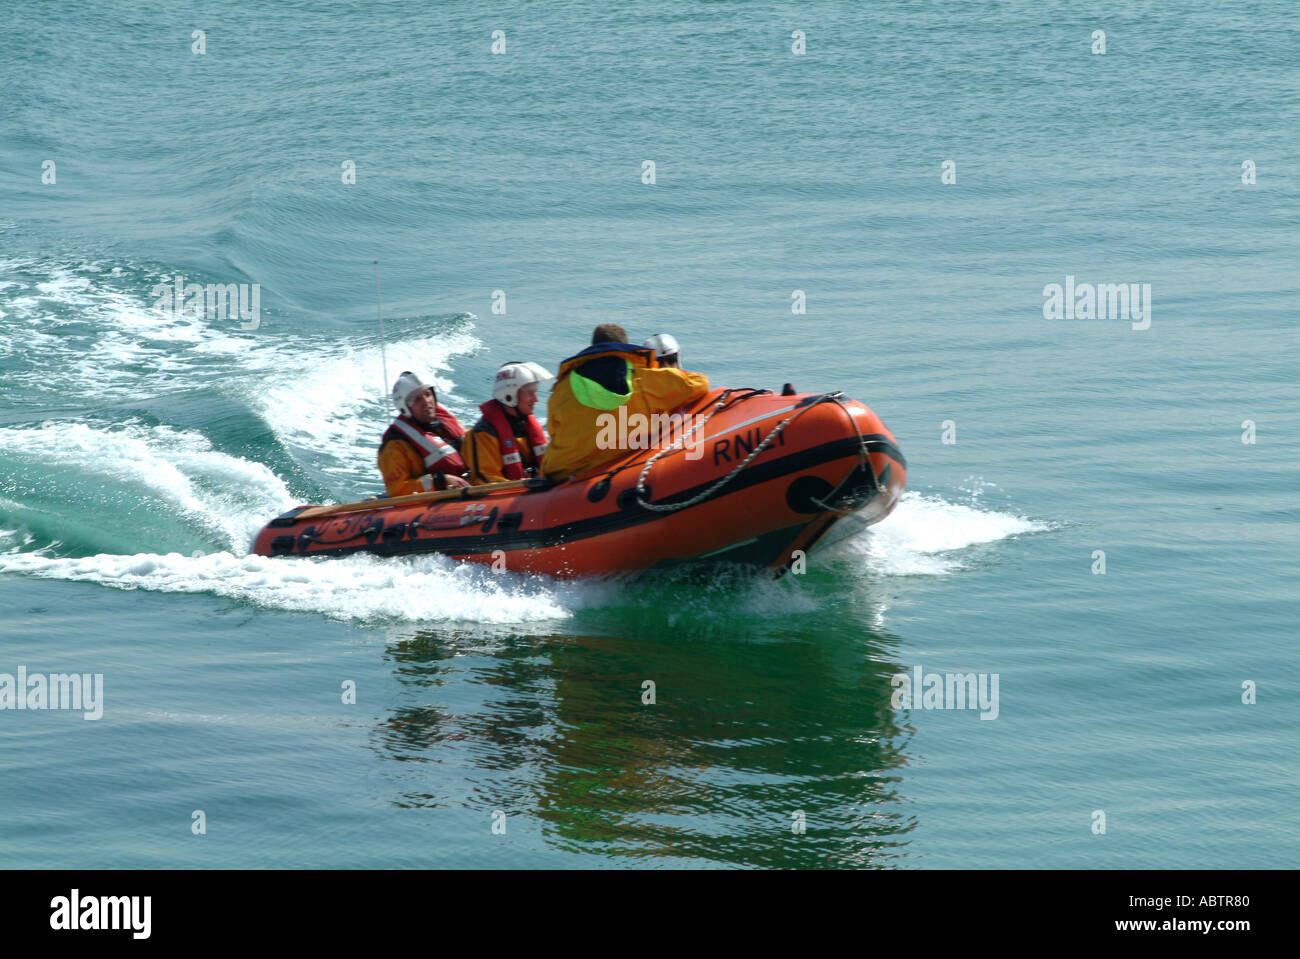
{"x": 330, "y": 409}
{"x": 363, "y": 588}
{"x": 225, "y": 496}
{"x": 926, "y": 534}
{"x": 76, "y": 326}
{"x": 91, "y": 324}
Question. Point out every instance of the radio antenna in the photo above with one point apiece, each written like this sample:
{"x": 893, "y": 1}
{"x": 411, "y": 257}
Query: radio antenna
{"x": 383, "y": 348}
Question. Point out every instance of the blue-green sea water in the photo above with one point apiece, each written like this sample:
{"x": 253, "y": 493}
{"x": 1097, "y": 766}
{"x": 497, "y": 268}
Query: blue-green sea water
{"x": 1101, "y": 512}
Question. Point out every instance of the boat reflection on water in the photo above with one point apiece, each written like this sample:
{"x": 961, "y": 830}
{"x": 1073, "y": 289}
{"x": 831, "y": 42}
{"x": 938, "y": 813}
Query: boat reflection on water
{"x": 745, "y": 742}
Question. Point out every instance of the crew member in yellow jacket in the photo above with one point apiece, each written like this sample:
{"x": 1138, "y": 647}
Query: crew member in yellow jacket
{"x": 420, "y": 450}
{"x": 507, "y": 443}
{"x": 605, "y": 376}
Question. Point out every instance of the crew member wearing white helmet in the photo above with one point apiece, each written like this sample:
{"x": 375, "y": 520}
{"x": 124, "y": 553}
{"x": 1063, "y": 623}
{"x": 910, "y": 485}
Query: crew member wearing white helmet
{"x": 507, "y": 443}
{"x": 667, "y": 353}
{"x": 420, "y": 450}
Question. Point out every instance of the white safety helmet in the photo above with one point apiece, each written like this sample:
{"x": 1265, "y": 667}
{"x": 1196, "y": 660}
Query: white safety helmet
{"x": 513, "y": 377}
{"x": 407, "y": 385}
{"x": 665, "y": 347}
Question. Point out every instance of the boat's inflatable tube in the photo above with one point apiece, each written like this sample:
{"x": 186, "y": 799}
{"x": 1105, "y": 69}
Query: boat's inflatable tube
{"x": 766, "y": 475}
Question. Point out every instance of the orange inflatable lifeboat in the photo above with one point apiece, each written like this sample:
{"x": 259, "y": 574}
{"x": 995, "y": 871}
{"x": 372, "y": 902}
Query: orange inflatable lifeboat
{"x": 760, "y": 476}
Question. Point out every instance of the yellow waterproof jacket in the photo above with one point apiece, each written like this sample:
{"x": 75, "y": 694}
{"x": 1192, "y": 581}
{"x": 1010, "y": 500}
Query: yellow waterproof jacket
{"x": 577, "y": 400}
{"x": 404, "y": 472}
